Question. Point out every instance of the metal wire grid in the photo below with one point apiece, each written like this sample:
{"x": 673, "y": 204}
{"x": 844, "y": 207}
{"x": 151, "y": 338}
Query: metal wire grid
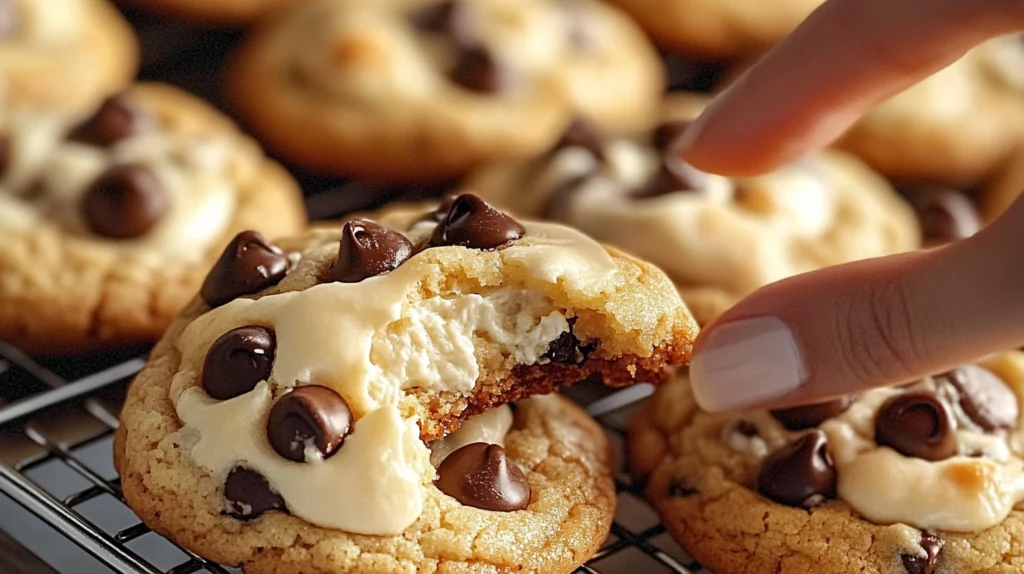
{"x": 50, "y": 413}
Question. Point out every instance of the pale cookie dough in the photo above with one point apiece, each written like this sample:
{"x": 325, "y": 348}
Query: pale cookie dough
{"x": 68, "y": 54}
{"x": 221, "y": 12}
{"x": 813, "y": 489}
{"x": 954, "y": 127}
{"x": 111, "y": 218}
{"x": 424, "y": 89}
{"x": 716, "y": 28}
{"x": 719, "y": 239}
{"x": 290, "y": 429}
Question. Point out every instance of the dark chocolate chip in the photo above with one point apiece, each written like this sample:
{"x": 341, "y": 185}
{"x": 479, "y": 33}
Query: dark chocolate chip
{"x": 116, "y": 119}
{"x": 945, "y": 214}
{"x": 248, "y": 264}
{"x": 249, "y": 494}
{"x": 675, "y": 175}
{"x": 438, "y": 214}
{"x": 917, "y": 424}
{"x": 668, "y": 132}
{"x": 480, "y": 70}
{"x": 566, "y": 348}
{"x": 985, "y": 397}
{"x": 125, "y": 202}
{"x": 5, "y": 154}
{"x": 455, "y": 18}
{"x": 558, "y": 205}
{"x": 368, "y": 250}
{"x": 932, "y": 546}
{"x": 582, "y": 133}
{"x": 9, "y": 17}
{"x": 472, "y": 222}
{"x": 480, "y": 475}
{"x": 679, "y": 488}
{"x": 809, "y": 416}
{"x": 308, "y": 416}
{"x": 237, "y": 361}
{"x": 800, "y": 473}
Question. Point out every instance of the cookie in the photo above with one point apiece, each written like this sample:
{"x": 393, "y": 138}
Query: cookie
{"x": 921, "y": 479}
{"x": 111, "y": 218}
{"x": 1005, "y": 188}
{"x": 954, "y": 127}
{"x": 946, "y": 214}
{"x": 421, "y": 89}
{"x": 716, "y": 29}
{"x": 221, "y": 12}
{"x": 68, "y": 54}
{"x": 719, "y": 239}
{"x": 321, "y": 405}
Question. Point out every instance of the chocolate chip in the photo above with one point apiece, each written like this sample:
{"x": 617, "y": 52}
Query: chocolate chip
{"x": 308, "y": 416}
{"x": 9, "y": 17}
{"x": 679, "y": 488}
{"x": 249, "y": 494}
{"x": 566, "y": 348}
{"x": 800, "y": 473}
{"x": 808, "y": 416}
{"x": 668, "y": 132}
{"x": 237, "y": 361}
{"x": 116, "y": 119}
{"x": 675, "y": 175}
{"x": 368, "y": 250}
{"x": 472, "y": 222}
{"x": 582, "y": 133}
{"x": 5, "y": 154}
{"x": 438, "y": 214}
{"x": 478, "y": 69}
{"x": 932, "y": 546}
{"x": 454, "y": 18}
{"x": 480, "y": 475}
{"x": 916, "y": 424}
{"x": 248, "y": 264}
{"x": 945, "y": 214}
{"x": 126, "y": 201}
{"x": 985, "y": 397}
{"x": 558, "y": 205}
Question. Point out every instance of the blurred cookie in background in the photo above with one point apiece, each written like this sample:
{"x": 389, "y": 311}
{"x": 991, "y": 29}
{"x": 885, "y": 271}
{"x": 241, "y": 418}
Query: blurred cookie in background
{"x": 67, "y": 54}
{"x": 111, "y": 218}
{"x": 425, "y": 90}
{"x": 219, "y": 12}
{"x": 1006, "y": 187}
{"x": 954, "y": 127}
{"x": 718, "y": 29}
{"x": 946, "y": 214}
{"x": 718, "y": 238}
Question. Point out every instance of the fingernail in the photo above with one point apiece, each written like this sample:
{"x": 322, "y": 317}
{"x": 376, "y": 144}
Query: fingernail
{"x": 745, "y": 364}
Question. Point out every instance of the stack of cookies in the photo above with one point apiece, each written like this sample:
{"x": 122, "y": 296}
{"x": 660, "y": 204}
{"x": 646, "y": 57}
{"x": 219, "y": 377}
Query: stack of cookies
{"x": 574, "y": 245}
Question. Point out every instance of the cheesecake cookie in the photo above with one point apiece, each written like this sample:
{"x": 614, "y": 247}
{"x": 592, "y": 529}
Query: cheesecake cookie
{"x": 719, "y": 239}
{"x": 67, "y": 54}
{"x": 422, "y": 89}
{"x": 1005, "y": 188}
{"x": 954, "y": 127}
{"x": 921, "y": 479}
{"x": 716, "y": 29}
{"x": 111, "y": 218}
{"x": 303, "y": 421}
{"x": 220, "y": 12}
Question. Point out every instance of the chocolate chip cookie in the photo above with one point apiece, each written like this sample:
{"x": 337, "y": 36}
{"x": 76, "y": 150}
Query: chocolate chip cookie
{"x": 63, "y": 53}
{"x": 309, "y": 423}
{"x": 719, "y": 239}
{"x": 1005, "y": 188}
{"x": 218, "y": 12}
{"x": 111, "y": 218}
{"x": 922, "y": 479}
{"x": 716, "y": 29}
{"x": 954, "y": 127}
{"x": 427, "y": 89}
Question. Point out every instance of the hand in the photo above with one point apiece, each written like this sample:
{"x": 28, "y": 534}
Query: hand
{"x": 870, "y": 323}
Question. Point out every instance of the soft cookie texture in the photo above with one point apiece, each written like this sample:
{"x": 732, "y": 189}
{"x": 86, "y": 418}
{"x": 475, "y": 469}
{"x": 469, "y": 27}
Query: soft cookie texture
{"x": 345, "y": 412}
{"x": 716, "y": 29}
{"x": 219, "y": 12}
{"x": 111, "y": 217}
{"x": 424, "y": 89}
{"x": 921, "y": 479}
{"x": 63, "y": 53}
{"x": 719, "y": 239}
{"x": 954, "y": 127}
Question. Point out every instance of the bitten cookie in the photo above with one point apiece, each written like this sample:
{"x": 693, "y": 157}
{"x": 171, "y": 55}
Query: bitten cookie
{"x": 111, "y": 219}
{"x": 422, "y": 89}
{"x": 719, "y": 239}
{"x": 716, "y": 29}
{"x": 68, "y": 54}
{"x": 297, "y": 425}
{"x": 921, "y": 479}
{"x": 213, "y": 12}
{"x": 954, "y": 127}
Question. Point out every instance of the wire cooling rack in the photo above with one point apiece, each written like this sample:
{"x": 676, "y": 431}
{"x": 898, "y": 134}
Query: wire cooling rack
{"x": 62, "y": 499}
